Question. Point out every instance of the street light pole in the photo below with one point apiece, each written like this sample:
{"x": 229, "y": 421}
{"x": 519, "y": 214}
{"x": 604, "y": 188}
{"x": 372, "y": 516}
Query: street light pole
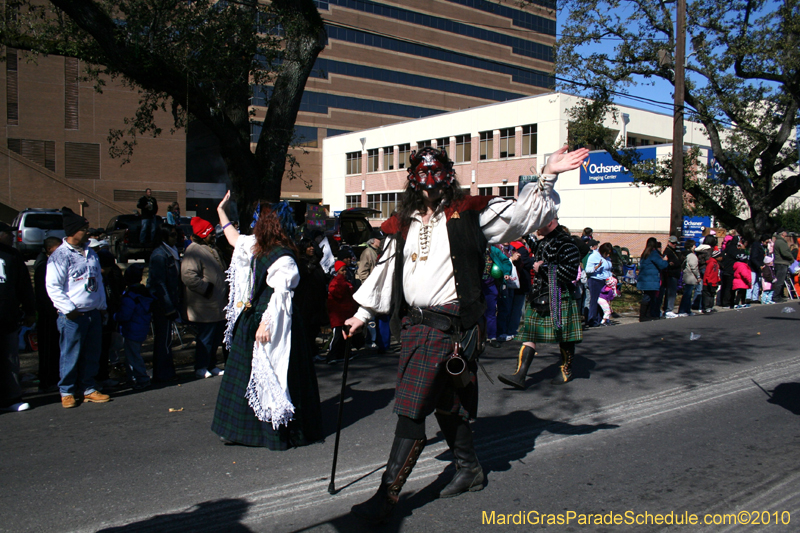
{"x": 676, "y": 211}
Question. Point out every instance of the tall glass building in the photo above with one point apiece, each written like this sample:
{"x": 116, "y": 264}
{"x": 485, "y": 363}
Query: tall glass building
{"x": 390, "y": 61}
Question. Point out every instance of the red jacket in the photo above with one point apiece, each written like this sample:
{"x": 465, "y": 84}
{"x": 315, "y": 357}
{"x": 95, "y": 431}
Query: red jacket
{"x": 341, "y": 304}
{"x": 711, "y": 277}
{"x": 741, "y": 276}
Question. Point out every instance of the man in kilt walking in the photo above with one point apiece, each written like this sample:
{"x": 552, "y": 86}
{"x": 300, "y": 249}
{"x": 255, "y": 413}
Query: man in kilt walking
{"x": 552, "y": 315}
{"x": 429, "y": 280}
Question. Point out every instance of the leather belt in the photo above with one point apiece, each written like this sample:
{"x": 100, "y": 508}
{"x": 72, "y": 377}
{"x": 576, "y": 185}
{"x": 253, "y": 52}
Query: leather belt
{"x": 426, "y": 317}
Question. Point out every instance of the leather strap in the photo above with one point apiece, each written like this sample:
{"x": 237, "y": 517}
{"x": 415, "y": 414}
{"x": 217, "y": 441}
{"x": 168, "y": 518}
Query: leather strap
{"x": 426, "y": 317}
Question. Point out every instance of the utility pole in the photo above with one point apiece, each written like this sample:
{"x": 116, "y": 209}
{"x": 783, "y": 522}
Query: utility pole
{"x": 676, "y": 211}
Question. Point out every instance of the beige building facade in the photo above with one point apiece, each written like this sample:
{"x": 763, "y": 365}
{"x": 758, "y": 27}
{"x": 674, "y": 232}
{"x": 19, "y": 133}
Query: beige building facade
{"x": 54, "y": 145}
{"x": 492, "y": 146}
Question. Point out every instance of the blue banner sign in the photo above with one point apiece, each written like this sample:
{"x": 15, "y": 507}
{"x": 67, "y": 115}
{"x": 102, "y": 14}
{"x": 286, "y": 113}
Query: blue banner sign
{"x": 600, "y": 168}
{"x": 715, "y": 171}
{"x": 693, "y": 228}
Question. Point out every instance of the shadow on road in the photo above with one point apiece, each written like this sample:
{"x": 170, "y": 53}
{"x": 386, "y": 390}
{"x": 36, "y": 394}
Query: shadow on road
{"x": 500, "y": 441}
{"x": 358, "y": 404}
{"x": 217, "y": 515}
{"x": 787, "y": 395}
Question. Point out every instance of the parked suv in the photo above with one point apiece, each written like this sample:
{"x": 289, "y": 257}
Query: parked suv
{"x": 123, "y": 233}
{"x": 33, "y": 226}
{"x": 351, "y": 226}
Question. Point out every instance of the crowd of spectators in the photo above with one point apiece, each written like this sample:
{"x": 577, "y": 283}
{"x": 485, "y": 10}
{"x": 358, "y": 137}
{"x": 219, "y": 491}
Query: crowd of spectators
{"x": 93, "y": 319}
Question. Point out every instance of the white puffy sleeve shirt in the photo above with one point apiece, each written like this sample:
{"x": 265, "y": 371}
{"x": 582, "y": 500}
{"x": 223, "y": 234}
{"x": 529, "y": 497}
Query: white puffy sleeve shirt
{"x": 431, "y": 282}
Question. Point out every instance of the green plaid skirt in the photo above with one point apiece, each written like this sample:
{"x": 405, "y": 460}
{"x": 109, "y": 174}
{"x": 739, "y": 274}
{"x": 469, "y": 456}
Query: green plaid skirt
{"x": 536, "y": 328}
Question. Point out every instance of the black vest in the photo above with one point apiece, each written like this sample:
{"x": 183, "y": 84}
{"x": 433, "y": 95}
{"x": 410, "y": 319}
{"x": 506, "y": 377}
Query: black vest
{"x": 467, "y": 248}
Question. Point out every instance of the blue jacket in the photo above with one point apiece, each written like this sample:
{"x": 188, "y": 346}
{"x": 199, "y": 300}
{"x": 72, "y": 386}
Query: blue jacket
{"x": 134, "y": 313}
{"x": 597, "y": 266}
{"x": 164, "y": 280}
{"x": 649, "y": 278}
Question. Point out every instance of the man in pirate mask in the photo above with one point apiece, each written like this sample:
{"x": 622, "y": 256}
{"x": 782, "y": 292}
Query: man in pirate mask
{"x": 429, "y": 278}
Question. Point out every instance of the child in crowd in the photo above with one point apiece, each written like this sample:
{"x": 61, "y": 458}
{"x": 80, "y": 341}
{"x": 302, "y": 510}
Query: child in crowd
{"x": 341, "y": 306}
{"x": 607, "y": 293}
{"x": 134, "y": 324}
{"x": 711, "y": 281}
{"x": 767, "y": 277}
{"x": 741, "y": 280}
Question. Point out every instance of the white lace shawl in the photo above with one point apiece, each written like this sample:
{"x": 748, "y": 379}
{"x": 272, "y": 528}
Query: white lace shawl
{"x": 267, "y": 391}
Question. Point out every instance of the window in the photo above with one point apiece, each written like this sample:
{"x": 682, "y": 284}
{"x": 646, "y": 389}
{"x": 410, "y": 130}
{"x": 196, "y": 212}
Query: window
{"x": 82, "y": 161}
{"x": 255, "y": 131}
{"x": 484, "y": 191}
{"x": 353, "y": 200}
{"x": 386, "y": 203}
{"x": 423, "y": 144}
{"x": 631, "y": 141}
{"x": 305, "y": 136}
{"x": 40, "y": 152}
{"x": 12, "y": 88}
{"x": 372, "y": 160}
{"x": 332, "y": 132}
{"x": 463, "y": 148}
{"x": 506, "y": 191}
{"x": 529, "y": 136}
{"x": 403, "y": 151}
{"x": 487, "y": 145}
{"x": 354, "y": 163}
{"x": 70, "y": 93}
{"x": 507, "y": 143}
{"x": 388, "y": 158}
{"x": 443, "y": 143}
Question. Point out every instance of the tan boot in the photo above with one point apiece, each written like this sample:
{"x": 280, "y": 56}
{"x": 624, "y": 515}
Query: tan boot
{"x": 567, "y": 353}
{"x": 68, "y": 401}
{"x": 96, "y": 397}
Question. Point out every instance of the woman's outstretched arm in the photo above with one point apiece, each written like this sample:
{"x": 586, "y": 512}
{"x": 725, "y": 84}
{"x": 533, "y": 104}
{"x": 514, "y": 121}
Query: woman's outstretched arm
{"x": 230, "y": 232}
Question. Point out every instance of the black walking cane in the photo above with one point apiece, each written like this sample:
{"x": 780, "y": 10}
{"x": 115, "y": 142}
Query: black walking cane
{"x": 347, "y": 345}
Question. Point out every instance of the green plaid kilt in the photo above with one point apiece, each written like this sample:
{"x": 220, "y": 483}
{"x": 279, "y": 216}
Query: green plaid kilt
{"x": 536, "y": 328}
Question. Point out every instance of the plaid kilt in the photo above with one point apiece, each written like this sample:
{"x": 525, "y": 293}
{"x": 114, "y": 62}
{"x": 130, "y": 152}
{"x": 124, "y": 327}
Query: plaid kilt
{"x": 235, "y": 420}
{"x": 536, "y": 328}
{"x": 423, "y": 384}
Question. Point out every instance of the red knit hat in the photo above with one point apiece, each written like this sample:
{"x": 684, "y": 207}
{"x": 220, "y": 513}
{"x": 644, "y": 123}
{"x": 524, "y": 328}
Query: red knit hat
{"x": 338, "y": 265}
{"x": 201, "y": 228}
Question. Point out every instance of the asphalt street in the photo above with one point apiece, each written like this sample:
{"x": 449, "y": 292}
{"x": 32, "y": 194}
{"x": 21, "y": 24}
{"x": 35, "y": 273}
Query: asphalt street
{"x": 654, "y": 424}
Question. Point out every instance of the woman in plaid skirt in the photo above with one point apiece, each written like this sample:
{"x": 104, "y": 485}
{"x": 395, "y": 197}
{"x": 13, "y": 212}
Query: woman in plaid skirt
{"x": 429, "y": 278}
{"x": 268, "y": 395}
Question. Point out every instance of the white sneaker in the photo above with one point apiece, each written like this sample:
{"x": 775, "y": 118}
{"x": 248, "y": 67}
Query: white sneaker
{"x": 681, "y": 315}
{"x": 16, "y": 407}
{"x": 217, "y": 372}
{"x": 202, "y": 373}
{"x": 670, "y": 314}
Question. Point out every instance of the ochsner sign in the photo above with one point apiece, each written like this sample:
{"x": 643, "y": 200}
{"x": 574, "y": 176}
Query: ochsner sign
{"x": 600, "y": 167}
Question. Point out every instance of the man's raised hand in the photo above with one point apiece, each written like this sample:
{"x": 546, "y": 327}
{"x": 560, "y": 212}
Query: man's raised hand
{"x": 563, "y": 161}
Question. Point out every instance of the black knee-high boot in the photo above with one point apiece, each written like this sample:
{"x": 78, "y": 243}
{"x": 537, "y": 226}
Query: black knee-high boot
{"x": 524, "y": 360}
{"x": 565, "y": 370}
{"x": 402, "y": 459}
{"x": 469, "y": 474}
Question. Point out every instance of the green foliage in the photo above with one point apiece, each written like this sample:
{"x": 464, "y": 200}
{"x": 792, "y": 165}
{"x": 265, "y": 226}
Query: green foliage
{"x": 788, "y": 216}
{"x": 742, "y": 85}
{"x": 195, "y": 59}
